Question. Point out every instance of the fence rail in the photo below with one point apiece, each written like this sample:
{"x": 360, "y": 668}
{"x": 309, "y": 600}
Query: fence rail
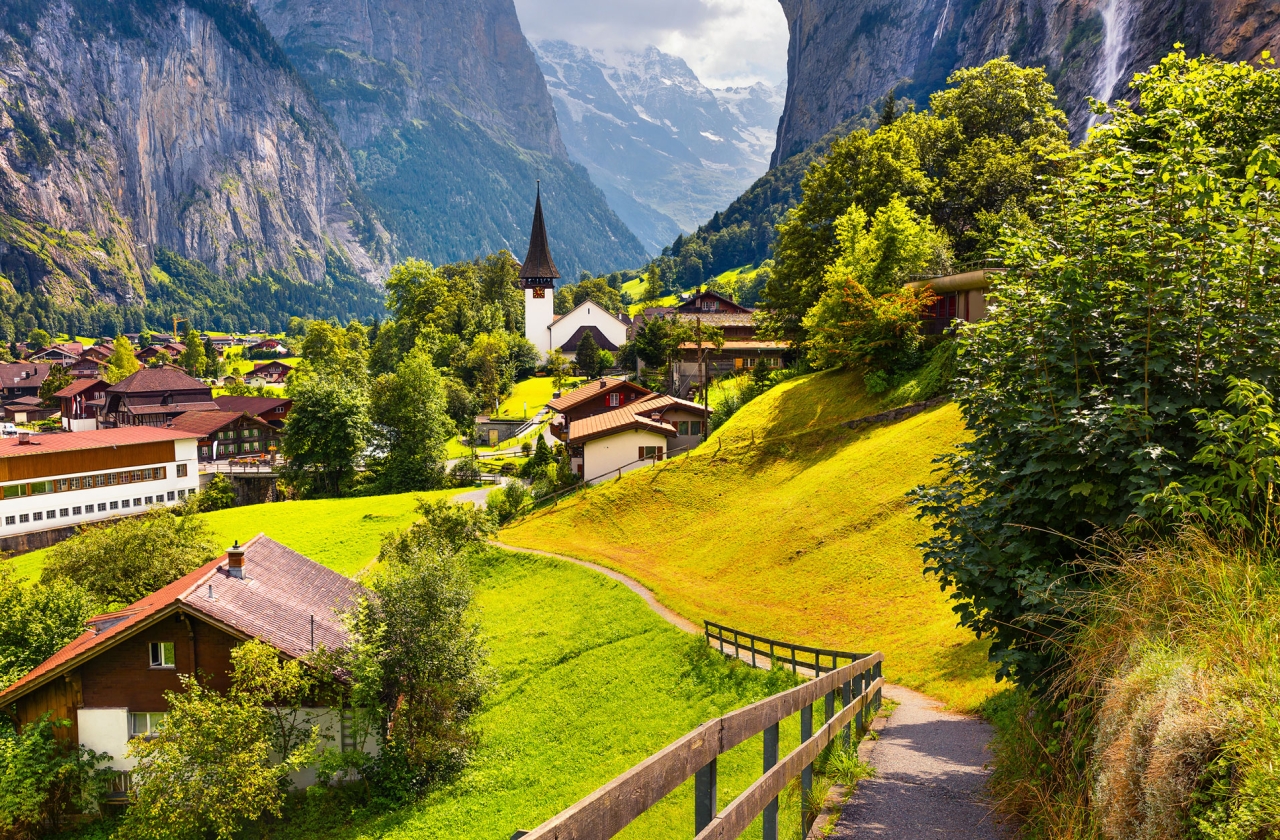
{"x": 612, "y": 808}
{"x": 801, "y": 658}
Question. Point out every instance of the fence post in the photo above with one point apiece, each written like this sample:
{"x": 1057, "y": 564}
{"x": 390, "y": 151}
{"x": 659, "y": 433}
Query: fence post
{"x": 806, "y": 775}
{"x": 704, "y": 796}
{"x": 847, "y": 690}
{"x": 875, "y": 675}
{"x": 831, "y": 712}
{"x": 753, "y": 651}
{"x": 770, "y": 816}
{"x": 858, "y": 687}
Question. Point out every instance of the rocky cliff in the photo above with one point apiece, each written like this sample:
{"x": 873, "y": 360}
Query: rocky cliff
{"x": 131, "y": 126}
{"x": 844, "y": 56}
{"x": 450, "y": 123}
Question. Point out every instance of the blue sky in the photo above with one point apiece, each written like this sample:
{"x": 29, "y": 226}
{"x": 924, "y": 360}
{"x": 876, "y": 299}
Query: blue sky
{"x": 726, "y": 42}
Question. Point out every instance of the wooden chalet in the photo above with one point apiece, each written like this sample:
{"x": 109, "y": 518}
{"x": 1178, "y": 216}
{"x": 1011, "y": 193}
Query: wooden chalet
{"x": 270, "y": 410}
{"x": 27, "y": 410}
{"x": 166, "y": 352}
{"x": 597, "y": 397}
{"x": 64, "y": 354}
{"x": 21, "y": 379}
{"x": 742, "y": 349}
{"x": 271, "y": 373}
{"x": 644, "y": 431}
{"x": 228, "y": 434}
{"x": 153, "y": 397}
{"x": 78, "y": 400}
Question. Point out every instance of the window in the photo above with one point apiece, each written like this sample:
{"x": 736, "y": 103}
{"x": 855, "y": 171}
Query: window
{"x": 182, "y": 494}
{"x": 651, "y": 452}
{"x": 15, "y": 491}
{"x": 708, "y": 305}
{"x": 146, "y": 475}
{"x": 40, "y": 487}
{"x": 111, "y": 479}
{"x": 51, "y": 514}
{"x": 159, "y": 473}
{"x": 75, "y": 483}
{"x": 162, "y": 655}
{"x": 37, "y": 516}
{"x": 77, "y": 510}
{"x": 10, "y": 520}
{"x": 65, "y": 512}
{"x": 614, "y": 400}
{"x": 102, "y": 506}
{"x": 682, "y": 428}
{"x": 137, "y": 475}
{"x": 63, "y": 485}
{"x": 204, "y": 453}
{"x": 171, "y": 495}
{"x": 151, "y": 500}
{"x": 182, "y": 471}
{"x": 124, "y": 504}
{"x": 137, "y": 502}
{"x": 23, "y": 518}
{"x": 145, "y": 724}
{"x": 278, "y": 410}
{"x": 695, "y": 427}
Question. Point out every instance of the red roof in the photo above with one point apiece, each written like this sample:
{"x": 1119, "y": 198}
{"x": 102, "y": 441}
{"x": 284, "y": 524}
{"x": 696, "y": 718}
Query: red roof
{"x": 78, "y": 387}
{"x": 206, "y": 423}
{"x": 589, "y": 391}
{"x": 250, "y": 405}
{"x": 262, "y": 365}
{"x": 165, "y": 378}
{"x": 172, "y": 408}
{"x": 276, "y": 601}
{"x": 618, "y": 420}
{"x": 98, "y": 439}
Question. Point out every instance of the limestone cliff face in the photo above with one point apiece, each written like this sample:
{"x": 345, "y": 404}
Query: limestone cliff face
{"x": 847, "y": 54}
{"x": 124, "y": 129}
{"x": 377, "y": 63}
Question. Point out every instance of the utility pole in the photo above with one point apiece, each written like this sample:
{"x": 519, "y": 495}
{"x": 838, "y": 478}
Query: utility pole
{"x": 706, "y": 386}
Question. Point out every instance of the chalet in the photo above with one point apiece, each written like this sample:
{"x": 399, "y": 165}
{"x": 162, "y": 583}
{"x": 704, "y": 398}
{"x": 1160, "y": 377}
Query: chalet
{"x": 64, "y": 354}
{"x": 593, "y": 398}
{"x": 228, "y": 434}
{"x": 90, "y": 362}
{"x": 742, "y": 349}
{"x": 110, "y": 682}
{"x": 269, "y": 345}
{"x": 153, "y": 397}
{"x": 960, "y": 297}
{"x": 220, "y": 342}
{"x": 21, "y": 379}
{"x": 27, "y": 410}
{"x": 271, "y": 373}
{"x": 76, "y": 400}
{"x": 57, "y": 480}
{"x": 643, "y": 432}
{"x": 270, "y": 410}
{"x": 166, "y": 352}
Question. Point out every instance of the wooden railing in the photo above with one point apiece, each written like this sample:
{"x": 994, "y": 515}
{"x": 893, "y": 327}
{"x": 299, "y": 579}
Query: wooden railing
{"x": 612, "y": 808}
{"x": 763, "y": 652}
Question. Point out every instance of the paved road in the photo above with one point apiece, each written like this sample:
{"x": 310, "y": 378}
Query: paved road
{"x": 930, "y": 780}
{"x": 479, "y": 498}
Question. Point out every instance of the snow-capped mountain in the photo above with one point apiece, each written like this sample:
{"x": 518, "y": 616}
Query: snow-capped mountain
{"x": 667, "y": 150}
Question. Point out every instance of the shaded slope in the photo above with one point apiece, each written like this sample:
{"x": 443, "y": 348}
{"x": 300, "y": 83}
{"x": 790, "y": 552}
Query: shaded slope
{"x": 790, "y": 526}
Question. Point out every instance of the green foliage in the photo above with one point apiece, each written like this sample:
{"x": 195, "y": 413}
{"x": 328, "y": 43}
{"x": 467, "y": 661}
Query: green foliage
{"x": 43, "y": 778}
{"x": 218, "y": 494}
{"x": 59, "y": 377}
{"x": 37, "y": 340}
{"x": 331, "y": 350}
{"x": 411, "y": 425}
{"x": 36, "y": 621}
{"x": 326, "y": 430}
{"x": 124, "y": 561}
{"x": 557, "y": 367}
{"x": 509, "y": 501}
{"x": 588, "y": 356}
{"x": 261, "y": 677}
{"x": 589, "y": 288}
{"x": 193, "y": 359}
{"x": 1125, "y": 310}
{"x": 122, "y": 363}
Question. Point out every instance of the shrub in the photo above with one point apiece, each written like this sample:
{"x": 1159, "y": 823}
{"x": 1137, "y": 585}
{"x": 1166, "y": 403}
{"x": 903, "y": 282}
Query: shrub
{"x": 509, "y": 501}
{"x": 43, "y": 778}
{"x": 218, "y": 494}
{"x": 36, "y": 621}
{"x": 466, "y": 471}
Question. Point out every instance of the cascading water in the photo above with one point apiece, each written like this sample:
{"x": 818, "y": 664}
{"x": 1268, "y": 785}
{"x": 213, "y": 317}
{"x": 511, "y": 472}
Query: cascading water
{"x": 942, "y": 24}
{"x": 1117, "y": 16}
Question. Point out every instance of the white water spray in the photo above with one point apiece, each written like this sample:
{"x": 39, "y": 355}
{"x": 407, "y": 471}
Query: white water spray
{"x": 1117, "y": 16}
{"x": 942, "y": 24}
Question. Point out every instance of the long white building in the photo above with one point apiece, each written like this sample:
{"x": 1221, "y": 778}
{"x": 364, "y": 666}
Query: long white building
{"x": 54, "y": 480}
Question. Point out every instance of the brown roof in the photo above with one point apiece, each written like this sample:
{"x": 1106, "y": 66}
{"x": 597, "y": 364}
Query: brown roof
{"x": 601, "y": 340}
{"x": 280, "y": 595}
{"x": 78, "y": 387}
{"x": 11, "y": 374}
{"x": 24, "y": 401}
{"x": 618, "y": 420}
{"x": 691, "y": 305}
{"x": 249, "y": 405}
{"x": 589, "y": 391}
{"x": 538, "y": 264}
{"x": 744, "y": 344}
{"x": 662, "y": 402}
{"x": 720, "y": 319}
{"x": 164, "y": 378}
{"x": 172, "y": 408}
{"x": 205, "y": 423}
{"x": 262, "y": 365}
{"x": 100, "y": 438}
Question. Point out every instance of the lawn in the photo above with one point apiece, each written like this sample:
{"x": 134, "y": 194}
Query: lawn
{"x": 239, "y": 366}
{"x": 635, "y": 288}
{"x": 589, "y": 683}
{"x": 343, "y": 534}
{"x": 787, "y": 524}
{"x": 534, "y": 392}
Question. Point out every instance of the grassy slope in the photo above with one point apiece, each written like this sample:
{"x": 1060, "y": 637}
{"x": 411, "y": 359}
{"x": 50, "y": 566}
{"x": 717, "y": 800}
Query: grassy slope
{"x": 590, "y": 682}
{"x": 788, "y": 525}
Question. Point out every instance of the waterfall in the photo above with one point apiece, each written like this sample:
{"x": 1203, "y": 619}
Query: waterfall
{"x": 1117, "y": 15}
{"x": 942, "y": 24}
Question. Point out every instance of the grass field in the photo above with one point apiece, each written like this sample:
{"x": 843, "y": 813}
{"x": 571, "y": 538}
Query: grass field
{"x": 343, "y": 534}
{"x": 590, "y": 682}
{"x": 635, "y": 288}
{"x": 240, "y": 366}
{"x": 536, "y": 392}
{"x": 786, "y": 524}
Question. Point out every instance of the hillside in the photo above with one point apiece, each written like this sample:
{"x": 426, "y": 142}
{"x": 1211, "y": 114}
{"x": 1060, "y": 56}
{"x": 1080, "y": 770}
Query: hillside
{"x": 788, "y": 525}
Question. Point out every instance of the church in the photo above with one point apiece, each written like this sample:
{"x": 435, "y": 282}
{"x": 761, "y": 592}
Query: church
{"x": 546, "y": 330}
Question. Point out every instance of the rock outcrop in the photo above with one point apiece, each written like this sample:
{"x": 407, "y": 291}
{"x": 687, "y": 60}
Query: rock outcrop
{"x": 130, "y": 126}
{"x": 845, "y": 56}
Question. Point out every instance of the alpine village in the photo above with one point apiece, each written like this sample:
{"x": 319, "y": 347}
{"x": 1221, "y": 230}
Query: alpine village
{"x": 437, "y": 419}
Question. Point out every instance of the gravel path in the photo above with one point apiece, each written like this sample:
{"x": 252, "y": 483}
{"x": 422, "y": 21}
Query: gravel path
{"x": 930, "y": 779}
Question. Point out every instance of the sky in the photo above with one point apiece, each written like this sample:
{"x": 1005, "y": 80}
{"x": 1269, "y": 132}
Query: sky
{"x": 726, "y": 42}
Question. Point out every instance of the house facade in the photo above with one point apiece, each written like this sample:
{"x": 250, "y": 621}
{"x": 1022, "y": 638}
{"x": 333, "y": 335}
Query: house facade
{"x": 742, "y": 350}
{"x": 58, "y": 480}
{"x": 153, "y": 397}
{"x": 21, "y": 379}
{"x": 227, "y": 434}
{"x": 110, "y": 682}
{"x": 269, "y": 373}
{"x": 27, "y": 410}
{"x": 64, "y": 354}
{"x": 566, "y": 331}
{"x": 77, "y": 404}
{"x": 597, "y": 397}
{"x": 960, "y": 297}
{"x": 648, "y": 430}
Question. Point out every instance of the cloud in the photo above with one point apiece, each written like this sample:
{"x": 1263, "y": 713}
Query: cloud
{"x": 724, "y": 41}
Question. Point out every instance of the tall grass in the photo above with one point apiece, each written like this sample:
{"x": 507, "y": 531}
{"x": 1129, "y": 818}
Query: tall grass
{"x": 1167, "y": 722}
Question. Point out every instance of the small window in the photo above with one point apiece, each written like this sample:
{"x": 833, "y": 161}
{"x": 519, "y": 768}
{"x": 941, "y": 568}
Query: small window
{"x": 182, "y": 471}
{"x": 151, "y": 500}
{"x": 124, "y": 504}
{"x": 52, "y": 514}
{"x": 695, "y": 427}
{"x": 37, "y": 516}
{"x": 682, "y": 428}
{"x": 23, "y": 518}
{"x": 146, "y": 475}
{"x": 77, "y": 510}
{"x": 160, "y": 472}
{"x": 75, "y": 483}
{"x": 145, "y": 724}
{"x": 99, "y": 480}
{"x": 170, "y": 497}
{"x": 614, "y": 399}
{"x": 9, "y": 520}
{"x": 182, "y": 494}
{"x": 137, "y": 502}
{"x": 102, "y": 506}
{"x": 65, "y": 512}
{"x": 162, "y": 655}
{"x": 63, "y": 485}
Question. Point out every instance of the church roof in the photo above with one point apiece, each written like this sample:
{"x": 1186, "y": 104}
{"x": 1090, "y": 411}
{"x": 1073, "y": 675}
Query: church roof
{"x": 538, "y": 264}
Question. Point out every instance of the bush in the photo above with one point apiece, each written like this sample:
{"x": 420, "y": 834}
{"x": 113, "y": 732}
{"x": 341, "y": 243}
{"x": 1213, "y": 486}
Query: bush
{"x": 43, "y": 778}
{"x": 36, "y": 621}
{"x": 466, "y": 471}
{"x": 509, "y": 501}
{"x": 218, "y": 494}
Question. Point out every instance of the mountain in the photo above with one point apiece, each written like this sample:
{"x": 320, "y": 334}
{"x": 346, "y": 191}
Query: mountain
{"x": 137, "y": 126}
{"x": 843, "y": 56}
{"x": 450, "y": 123}
{"x": 667, "y": 150}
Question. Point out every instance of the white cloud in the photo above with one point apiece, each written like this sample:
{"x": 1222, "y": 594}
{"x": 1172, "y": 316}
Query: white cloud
{"x": 726, "y": 42}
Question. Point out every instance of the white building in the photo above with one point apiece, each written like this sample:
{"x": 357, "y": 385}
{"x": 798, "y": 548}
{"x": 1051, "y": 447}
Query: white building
{"x": 604, "y": 446}
{"x": 53, "y": 480}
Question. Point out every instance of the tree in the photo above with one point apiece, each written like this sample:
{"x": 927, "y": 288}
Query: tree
{"x": 410, "y": 414}
{"x": 557, "y": 368}
{"x": 43, "y": 778}
{"x": 129, "y": 559}
{"x": 38, "y": 340}
{"x": 460, "y": 403}
{"x": 1126, "y": 311}
{"x": 588, "y": 356}
{"x": 606, "y": 361}
{"x": 326, "y": 431}
{"x": 193, "y": 359}
{"x": 122, "y": 363}
{"x": 297, "y": 327}
{"x": 332, "y": 350}
{"x": 488, "y": 367}
{"x": 37, "y": 620}
{"x": 509, "y": 501}
{"x": 59, "y": 377}
{"x": 218, "y": 494}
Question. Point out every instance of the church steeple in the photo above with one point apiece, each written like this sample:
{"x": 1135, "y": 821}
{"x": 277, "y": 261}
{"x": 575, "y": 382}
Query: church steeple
{"x": 538, "y": 268}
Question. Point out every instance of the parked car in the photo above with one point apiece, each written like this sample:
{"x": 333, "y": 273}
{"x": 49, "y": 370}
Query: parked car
{"x": 8, "y": 430}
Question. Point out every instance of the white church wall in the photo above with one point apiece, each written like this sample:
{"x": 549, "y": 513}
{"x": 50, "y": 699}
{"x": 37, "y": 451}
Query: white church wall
{"x": 538, "y": 312}
{"x": 587, "y": 314}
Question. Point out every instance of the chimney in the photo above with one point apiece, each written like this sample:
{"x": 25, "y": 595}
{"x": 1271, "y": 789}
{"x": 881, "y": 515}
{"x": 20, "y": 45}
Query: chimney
{"x": 602, "y": 383}
{"x": 235, "y": 561}
{"x": 24, "y": 438}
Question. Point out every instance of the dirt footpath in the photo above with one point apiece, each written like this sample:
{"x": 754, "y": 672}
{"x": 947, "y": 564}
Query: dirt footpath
{"x": 930, "y": 777}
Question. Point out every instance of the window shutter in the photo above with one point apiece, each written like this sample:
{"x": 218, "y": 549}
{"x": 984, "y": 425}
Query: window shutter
{"x": 640, "y": 457}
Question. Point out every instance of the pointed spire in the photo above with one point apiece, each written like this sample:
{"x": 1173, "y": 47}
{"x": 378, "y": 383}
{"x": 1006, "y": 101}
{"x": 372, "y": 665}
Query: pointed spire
{"x": 538, "y": 264}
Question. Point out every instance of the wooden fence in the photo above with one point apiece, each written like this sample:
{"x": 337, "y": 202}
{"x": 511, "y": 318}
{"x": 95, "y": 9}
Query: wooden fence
{"x": 610, "y": 809}
{"x": 763, "y": 652}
